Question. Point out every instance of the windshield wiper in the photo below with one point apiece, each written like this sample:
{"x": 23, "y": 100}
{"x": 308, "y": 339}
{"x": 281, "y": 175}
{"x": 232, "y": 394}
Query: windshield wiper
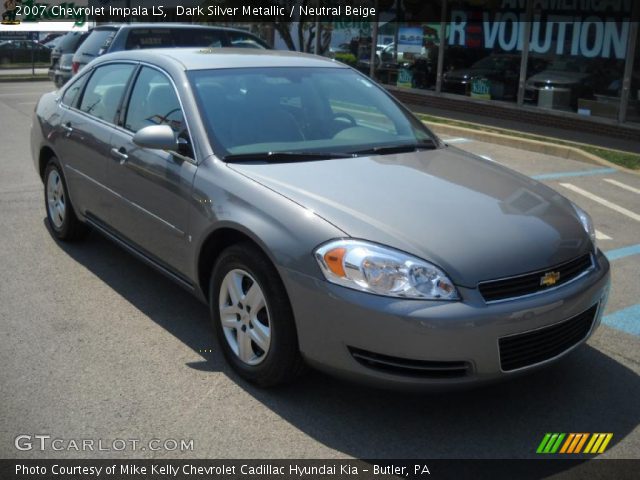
{"x": 399, "y": 148}
{"x": 284, "y": 156}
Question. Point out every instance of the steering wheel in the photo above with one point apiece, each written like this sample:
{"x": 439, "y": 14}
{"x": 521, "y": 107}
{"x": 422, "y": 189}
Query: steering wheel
{"x": 346, "y": 116}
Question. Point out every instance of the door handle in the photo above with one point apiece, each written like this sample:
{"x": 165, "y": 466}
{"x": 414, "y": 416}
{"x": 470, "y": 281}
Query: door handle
{"x": 67, "y": 128}
{"x": 120, "y": 154}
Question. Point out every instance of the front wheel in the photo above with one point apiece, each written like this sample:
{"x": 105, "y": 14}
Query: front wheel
{"x": 60, "y": 215}
{"x": 252, "y": 317}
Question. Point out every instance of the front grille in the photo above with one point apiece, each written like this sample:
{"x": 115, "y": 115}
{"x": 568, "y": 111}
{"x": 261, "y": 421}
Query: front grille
{"x": 529, "y": 348}
{"x": 412, "y": 368}
{"x": 529, "y": 283}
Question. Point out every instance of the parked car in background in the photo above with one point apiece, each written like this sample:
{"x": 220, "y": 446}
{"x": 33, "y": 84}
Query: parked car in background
{"x": 385, "y": 54}
{"x": 63, "y": 72}
{"x": 53, "y": 42}
{"x": 113, "y": 38}
{"x": 62, "y": 57}
{"x": 51, "y": 37}
{"x": 566, "y": 80}
{"x": 320, "y": 219}
{"x": 23, "y": 51}
{"x": 501, "y": 71}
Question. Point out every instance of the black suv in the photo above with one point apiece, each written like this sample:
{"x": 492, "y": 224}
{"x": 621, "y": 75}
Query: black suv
{"x": 113, "y": 38}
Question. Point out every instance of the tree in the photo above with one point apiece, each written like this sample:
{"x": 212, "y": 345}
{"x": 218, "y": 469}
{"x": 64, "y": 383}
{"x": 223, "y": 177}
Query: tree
{"x": 305, "y": 25}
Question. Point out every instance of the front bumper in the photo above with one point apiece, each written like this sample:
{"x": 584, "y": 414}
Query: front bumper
{"x": 334, "y": 322}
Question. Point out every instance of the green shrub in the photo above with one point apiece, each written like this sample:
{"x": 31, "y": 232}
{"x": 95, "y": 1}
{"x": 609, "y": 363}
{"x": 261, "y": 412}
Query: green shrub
{"x": 348, "y": 58}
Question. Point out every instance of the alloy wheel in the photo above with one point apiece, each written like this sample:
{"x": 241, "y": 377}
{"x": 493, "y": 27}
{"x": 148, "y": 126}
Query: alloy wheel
{"x": 245, "y": 317}
{"x": 56, "y": 200}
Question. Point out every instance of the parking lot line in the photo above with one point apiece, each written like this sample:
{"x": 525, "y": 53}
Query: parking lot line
{"x": 622, "y": 185}
{"x": 602, "y": 201}
{"x": 627, "y": 320}
{"x": 602, "y": 236}
{"x": 580, "y": 173}
{"x": 623, "y": 252}
{"x": 458, "y": 140}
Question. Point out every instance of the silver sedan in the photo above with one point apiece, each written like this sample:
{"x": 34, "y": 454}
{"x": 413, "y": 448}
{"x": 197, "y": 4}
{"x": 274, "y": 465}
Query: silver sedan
{"x": 321, "y": 221}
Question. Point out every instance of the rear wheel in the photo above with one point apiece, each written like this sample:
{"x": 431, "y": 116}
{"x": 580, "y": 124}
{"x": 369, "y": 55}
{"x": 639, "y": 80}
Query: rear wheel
{"x": 252, "y": 317}
{"x": 60, "y": 215}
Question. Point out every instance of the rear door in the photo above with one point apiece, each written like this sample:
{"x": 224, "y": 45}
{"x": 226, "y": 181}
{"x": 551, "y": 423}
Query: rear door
{"x": 90, "y": 106}
{"x": 152, "y": 187}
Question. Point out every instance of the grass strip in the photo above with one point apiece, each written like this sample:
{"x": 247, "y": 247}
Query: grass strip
{"x": 624, "y": 159}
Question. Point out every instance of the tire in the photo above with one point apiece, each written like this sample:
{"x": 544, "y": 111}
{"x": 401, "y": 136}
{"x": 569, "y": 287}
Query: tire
{"x": 261, "y": 345}
{"x": 60, "y": 214}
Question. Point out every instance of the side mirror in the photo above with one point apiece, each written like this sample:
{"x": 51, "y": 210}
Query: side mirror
{"x": 159, "y": 137}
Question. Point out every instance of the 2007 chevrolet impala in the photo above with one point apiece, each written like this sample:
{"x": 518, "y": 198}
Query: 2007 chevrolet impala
{"x": 321, "y": 221}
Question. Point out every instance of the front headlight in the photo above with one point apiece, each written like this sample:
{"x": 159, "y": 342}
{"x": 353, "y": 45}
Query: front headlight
{"x": 587, "y": 224}
{"x": 382, "y": 270}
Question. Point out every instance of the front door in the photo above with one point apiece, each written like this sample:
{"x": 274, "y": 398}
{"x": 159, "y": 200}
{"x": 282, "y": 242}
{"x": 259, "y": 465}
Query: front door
{"x": 153, "y": 187}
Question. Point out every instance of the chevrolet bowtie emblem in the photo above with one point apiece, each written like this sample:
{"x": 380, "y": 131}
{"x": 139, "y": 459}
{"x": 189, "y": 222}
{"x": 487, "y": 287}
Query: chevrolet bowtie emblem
{"x": 549, "y": 279}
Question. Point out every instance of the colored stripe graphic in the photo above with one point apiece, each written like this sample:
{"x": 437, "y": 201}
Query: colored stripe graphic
{"x": 577, "y": 440}
{"x": 567, "y": 443}
{"x": 544, "y": 441}
{"x": 556, "y": 443}
{"x": 550, "y": 443}
{"x": 598, "y": 442}
{"x": 581, "y": 443}
{"x": 605, "y": 443}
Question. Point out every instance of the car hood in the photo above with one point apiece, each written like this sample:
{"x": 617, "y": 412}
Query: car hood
{"x": 557, "y": 77}
{"x": 472, "y": 217}
{"x": 467, "y": 73}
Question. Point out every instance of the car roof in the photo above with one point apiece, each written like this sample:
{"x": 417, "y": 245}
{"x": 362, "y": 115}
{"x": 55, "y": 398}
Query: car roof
{"x": 220, "y": 58}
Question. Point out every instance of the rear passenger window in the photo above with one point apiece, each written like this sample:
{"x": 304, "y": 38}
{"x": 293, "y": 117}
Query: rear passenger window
{"x": 104, "y": 91}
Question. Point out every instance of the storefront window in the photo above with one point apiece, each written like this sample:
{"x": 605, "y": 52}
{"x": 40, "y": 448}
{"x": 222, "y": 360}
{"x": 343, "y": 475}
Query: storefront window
{"x": 414, "y": 62}
{"x": 483, "y": 50}
{"x": 633, "y": 107}
{"x": 583, "y": 54}
{"x": 575, "y": 53}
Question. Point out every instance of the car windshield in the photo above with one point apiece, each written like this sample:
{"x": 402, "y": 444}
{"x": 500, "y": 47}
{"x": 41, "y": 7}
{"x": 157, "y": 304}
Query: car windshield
{"x": 568, "y": 65}
{"x": 96, "y": 42}
{"x": 494, "y": 62}
{"x": 305, "y": 111}
{"x": 70, "y": 41}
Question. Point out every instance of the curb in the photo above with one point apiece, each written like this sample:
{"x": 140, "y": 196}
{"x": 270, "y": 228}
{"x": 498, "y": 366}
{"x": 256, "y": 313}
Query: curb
{"x": 537, "y": 146}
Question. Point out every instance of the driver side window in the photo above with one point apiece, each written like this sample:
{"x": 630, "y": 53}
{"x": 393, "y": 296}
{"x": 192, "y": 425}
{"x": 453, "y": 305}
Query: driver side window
{"x": 154, "y": 102}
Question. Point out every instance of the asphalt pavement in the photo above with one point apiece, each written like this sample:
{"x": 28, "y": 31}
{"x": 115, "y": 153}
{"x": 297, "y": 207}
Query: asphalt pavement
{"x": 97, "y": 346}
